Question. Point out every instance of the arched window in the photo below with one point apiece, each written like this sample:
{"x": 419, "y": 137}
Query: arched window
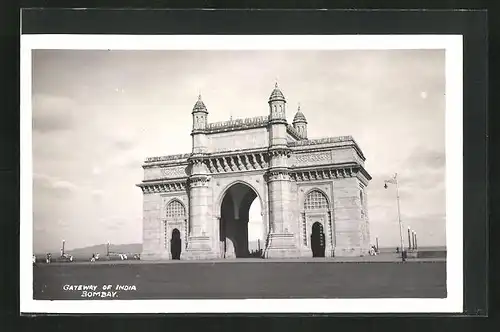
{"x": 315, "y": 200}
{"x": 175, "y": 213}
{"x": 175, "y": 210}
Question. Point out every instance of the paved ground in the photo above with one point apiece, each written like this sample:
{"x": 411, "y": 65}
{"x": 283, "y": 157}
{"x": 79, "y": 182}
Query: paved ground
{"x": 245, "y": 279}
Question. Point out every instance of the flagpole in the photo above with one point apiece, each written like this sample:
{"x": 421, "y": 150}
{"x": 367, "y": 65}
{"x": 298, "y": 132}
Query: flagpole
{"x": 399, "y": 218}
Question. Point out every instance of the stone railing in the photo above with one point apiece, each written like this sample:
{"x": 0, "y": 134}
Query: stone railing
{"x": 325, "y": 140}
{"x": 167, "y": 158}
{"x": 238, "y": 124}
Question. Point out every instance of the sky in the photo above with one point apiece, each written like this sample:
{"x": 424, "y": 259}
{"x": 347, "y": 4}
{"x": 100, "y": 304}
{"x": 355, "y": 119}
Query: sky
{"x": 98, "y": 114}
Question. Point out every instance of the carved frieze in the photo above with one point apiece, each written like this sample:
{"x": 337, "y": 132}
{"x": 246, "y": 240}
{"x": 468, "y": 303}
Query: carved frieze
{"x": 314, "y": 158}
{"x": 174, "y": 172}
{"x": 163, "y": 187}
{"x": 324, "y": 174}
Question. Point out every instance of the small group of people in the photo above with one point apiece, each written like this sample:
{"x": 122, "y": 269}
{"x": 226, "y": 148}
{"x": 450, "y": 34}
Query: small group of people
{"x": 373, "y": 251}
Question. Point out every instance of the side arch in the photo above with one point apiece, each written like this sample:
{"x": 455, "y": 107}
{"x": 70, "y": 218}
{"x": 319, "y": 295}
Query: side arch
{"x": 175, "y": 200}
{"x": 306, "y": 194}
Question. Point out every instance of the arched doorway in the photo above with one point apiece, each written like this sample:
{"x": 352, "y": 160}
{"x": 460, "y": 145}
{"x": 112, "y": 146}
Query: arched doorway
{"x": 316, "y": 224}
{"x": 318, "y": 240}
{"x": 175, "y": 228}
{"x": 176, "y": 244}
{"x": 234, "y": 222}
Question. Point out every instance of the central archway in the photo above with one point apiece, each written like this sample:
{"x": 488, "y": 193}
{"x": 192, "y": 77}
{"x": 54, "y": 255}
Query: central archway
{"x": 234, "y": 221}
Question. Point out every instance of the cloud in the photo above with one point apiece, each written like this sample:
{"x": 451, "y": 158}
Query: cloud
{"x": 53, "y": 113}
{"x": 123, "y": 144}
{"x": 58, "y": 187}
{"x": 425, "y": 158}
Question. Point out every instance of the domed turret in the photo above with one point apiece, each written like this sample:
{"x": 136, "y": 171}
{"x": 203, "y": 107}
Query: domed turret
{"x": 277, "y": 105}
{"x": 199, "y": 106}
{"x": 300, "y": 123}
{"x": 276, "y": 94}
{"x": 200, "y": 119}
{"x": 299, "y": 117}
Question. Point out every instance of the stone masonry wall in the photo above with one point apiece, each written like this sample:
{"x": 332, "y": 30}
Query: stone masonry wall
{"x": 349, "y": 221}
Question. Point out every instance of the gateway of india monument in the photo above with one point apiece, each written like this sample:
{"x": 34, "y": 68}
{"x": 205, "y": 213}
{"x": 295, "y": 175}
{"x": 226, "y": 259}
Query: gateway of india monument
{"x": 312, "y": 192}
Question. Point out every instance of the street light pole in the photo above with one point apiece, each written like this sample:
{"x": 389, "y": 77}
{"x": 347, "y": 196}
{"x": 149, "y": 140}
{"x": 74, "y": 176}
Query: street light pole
{"x": 399, "y": 219}
{"x": 62, "y": 249}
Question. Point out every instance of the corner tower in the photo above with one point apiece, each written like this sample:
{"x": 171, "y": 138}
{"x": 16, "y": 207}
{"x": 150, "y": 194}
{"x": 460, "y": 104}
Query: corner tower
{"x": 300, "y": 123}
{"x": 200, "y": 118}
{"x": 200, "y": 212}
{"x": 281, "y": 240}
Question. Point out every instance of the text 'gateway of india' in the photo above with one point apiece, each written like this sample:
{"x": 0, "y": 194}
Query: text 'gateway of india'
{"x": 312, "y": 192}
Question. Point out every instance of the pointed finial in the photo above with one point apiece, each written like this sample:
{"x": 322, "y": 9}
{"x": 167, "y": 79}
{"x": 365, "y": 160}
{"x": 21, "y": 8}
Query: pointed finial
{"x": 199, "y": 96}
{"x": 298, "y": 109}
{"x": 276, "y": 83}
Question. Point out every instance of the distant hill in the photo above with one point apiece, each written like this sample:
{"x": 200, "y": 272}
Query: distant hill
{"x": 131, "y": 248}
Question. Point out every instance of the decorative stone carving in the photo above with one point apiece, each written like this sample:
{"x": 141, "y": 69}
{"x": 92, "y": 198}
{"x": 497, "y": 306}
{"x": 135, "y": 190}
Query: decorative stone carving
{"x": 226, "y": 165}
{"x": 199, "y": 181}
{"x": 163, "y": 187}
{"x": 174, "y": 172}
{"x": 255, "y": 163}
{"x": 218, "y": 165}
{"x": 324, "y": 174}
{"x": 278, "y": 175}
{"x": 313, "y": 158}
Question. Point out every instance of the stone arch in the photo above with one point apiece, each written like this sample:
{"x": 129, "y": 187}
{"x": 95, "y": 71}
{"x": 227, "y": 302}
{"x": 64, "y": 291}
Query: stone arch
{"x": 218, "y": 204}
{"x": 233, "y": 207}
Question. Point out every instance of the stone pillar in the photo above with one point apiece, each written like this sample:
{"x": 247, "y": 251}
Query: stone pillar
{"x": 200, "y": 241}
{"x": 282, "y": 241}
{"x": 282, "y": 238}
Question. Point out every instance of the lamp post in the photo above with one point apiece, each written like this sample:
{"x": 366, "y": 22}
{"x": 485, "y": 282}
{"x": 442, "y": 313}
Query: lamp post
{"x": 416, "y": 243}
{"x": 107, "y": 249}
{"x": 62, "y": 249}
{"x": 376, "y": 240}
{"x": 410, "y": 247}
{"x": 394, "y": 181}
